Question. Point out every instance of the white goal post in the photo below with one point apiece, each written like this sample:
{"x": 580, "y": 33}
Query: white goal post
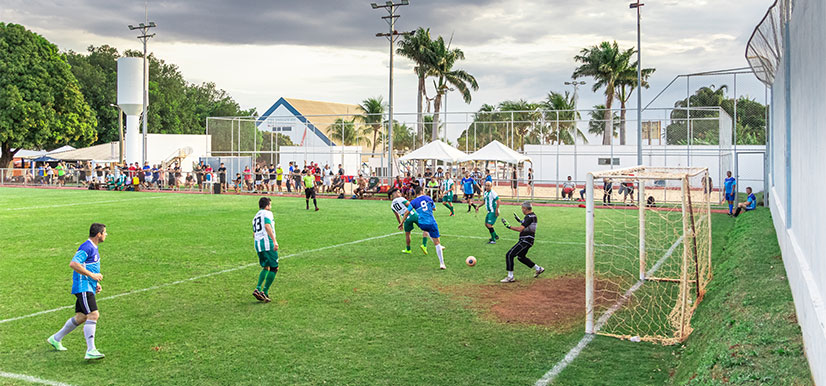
{"x": 648, "y": 260}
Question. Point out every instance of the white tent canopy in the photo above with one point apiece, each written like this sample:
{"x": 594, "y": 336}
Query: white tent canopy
{"x": 496, "y": 151}
{"x": 437, "y": 150}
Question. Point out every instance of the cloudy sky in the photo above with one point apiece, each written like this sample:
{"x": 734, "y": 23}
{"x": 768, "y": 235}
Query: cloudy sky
{"x": 259, "y": 50}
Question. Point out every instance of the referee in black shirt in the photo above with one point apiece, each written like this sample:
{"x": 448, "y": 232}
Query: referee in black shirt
{"x": 527, "y": 232}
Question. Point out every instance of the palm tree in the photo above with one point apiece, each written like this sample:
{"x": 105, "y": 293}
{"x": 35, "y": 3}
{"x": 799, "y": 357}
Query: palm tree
{"x": 523, "y": 116}
{"x": 348, "y": 132}
{"x": 403, "y": 138}
{"x": 418, "y": 48}
{"x": 563, "y": 115}
{"x": 604, "y": 63}
{"x": 373, "y": 109}
{"x": 597, "y": 121}
{"x": 448, "y": 76}
{"x": 626, "y": 83}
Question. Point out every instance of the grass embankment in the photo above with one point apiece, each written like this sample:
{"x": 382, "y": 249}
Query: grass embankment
{"x": 745, "y": 331}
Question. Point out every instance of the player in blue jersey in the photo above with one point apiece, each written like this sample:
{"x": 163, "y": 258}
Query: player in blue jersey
{"x": 731, "y": 191}
{"x": 468, "y": 184}
{"x": 423, "y": 206}
{"x": 85, "y": 284}
{"x": 750, "y": 204}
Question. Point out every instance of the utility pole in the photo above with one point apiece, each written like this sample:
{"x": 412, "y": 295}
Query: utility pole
{"x": 392, "y": 36}
{"x": 637, "y": 6}
{"x": 576, "y": 85}
{"x": 144, "y": 37}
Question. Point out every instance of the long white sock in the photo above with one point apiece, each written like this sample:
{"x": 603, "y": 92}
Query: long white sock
{"x": 68, "y": 327}
{"x": 439, "y": 253}
{"x": 510, "y": 274}
{"x": 89, "y": 332}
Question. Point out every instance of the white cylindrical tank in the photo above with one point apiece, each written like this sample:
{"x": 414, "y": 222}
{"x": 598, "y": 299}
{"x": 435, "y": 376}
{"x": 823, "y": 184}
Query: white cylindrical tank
{"x": 130, "y": 99}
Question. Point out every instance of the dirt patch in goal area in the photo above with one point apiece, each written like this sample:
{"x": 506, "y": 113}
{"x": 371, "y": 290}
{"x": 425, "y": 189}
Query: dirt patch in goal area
{"x": 552, "y": 302}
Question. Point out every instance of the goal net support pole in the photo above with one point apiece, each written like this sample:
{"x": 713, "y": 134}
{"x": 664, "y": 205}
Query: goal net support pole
{"x": 589, "y": 254}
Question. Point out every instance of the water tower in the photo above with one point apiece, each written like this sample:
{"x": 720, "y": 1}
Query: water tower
{"x": 130, "y": 99}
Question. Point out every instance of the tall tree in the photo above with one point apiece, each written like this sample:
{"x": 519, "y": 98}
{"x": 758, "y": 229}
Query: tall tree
{"x": 523, "y": 117}
{"x": 445, "y": 59}
{"x": 348, "y": 133}
{"x": 603, "y": 62}
{"x": 626, "y": 84}
{"x": 419, "y": 49}
{"x": 597, "y": 121}
{"x": 41, "y": 105}
{"x": 373, "y": 114}
{"x": 97, "y": 75}
{"x": 562, "y": 116}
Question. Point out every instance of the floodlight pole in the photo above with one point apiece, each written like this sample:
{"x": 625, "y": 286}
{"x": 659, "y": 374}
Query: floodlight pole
{"x": 391, "y": 36}
{"x": 637, "y": 6}
{"x": 144, "y": 37}
{"x": 576, "y": 85}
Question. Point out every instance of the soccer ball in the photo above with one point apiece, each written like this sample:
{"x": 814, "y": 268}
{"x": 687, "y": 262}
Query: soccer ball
{"x": 471, "y": 261}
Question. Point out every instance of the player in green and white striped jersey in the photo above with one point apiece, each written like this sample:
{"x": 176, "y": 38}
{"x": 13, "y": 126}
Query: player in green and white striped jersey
{"x": 491, "y": 201}
{"x": 447, "y": 193}
{"x": 263, "y": 227}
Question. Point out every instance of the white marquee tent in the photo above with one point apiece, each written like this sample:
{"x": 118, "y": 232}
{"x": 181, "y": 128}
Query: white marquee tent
{"x": 436, "y": 150}
{"x": 496, "y": 151}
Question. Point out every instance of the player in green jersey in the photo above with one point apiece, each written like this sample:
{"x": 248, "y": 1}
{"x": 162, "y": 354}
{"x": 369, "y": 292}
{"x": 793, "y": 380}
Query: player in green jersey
{"x": 491, "y": 201}
{"x": 267, "y": 248}
{"x": 447, "y": 189}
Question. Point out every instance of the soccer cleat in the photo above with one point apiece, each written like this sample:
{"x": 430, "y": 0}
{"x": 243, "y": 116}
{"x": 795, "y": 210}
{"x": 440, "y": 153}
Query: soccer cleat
{"x": 423, "y": 248}
{"x": 496, "y": 237}
{"x": 258, "y": 295}
{"x": 316, "y": 209}
{"x": 266, "y": 298}
{"x": 442, "y": 266}
{"x": 57, "y": 345}
{"x": 451, "y": 215}
{"x": 507, "y": 280}
{"x": 539, "y": 272}
{"x": 407, "y": 251}
{"x": 94, "y": 354}
{"x": 491, "y": 241}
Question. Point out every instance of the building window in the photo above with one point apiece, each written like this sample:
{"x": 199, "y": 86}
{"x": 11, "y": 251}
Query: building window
{"x": 604, "y": 161}
{"x": 282, "y": 129}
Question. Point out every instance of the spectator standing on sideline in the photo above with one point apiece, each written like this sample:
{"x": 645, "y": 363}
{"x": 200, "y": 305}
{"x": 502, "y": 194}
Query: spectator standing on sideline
{"x": 514, "y": 181}
{"x": 530, "y": 181}
{"x": 607, "y": 190}
{"x": 328, "y": 177}
{"x": 731, "y": 191}
{"x": 279, "y": 178}
{"x": 222, "y": 177}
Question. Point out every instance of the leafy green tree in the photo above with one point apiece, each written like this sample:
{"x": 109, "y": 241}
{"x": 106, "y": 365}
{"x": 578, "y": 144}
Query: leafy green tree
{"x": 373, "y": 111}
{"x": 419, "y": 49}
{"x": 446, "y": 75}
{"x": 597, "y": 121}
{"x": 41, "y": 105}
{"x": 523, "y": 117}
{"x": 97, "y": 75}
{"x": 705, "y": 125}
{"x": 348, "y": 133}
{"x": 603, "y": 62}
{"x": 561, "y": 118}
{"x": 626, "y": 83}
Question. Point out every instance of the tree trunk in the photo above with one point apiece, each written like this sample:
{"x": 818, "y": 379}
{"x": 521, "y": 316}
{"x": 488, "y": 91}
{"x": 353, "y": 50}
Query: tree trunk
{"x": 375, "y": 134}
{"x": 437, "y": 103}
{"x": 7, "y": 156}
{"x": 622, "y": 122}
{"x": 419, "y": 108}
{"x": 607, "y": 117}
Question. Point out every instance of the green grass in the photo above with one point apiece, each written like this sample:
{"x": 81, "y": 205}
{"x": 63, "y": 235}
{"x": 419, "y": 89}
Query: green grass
{"x": 356, "y": 314}
{"x": 745, "y": 331}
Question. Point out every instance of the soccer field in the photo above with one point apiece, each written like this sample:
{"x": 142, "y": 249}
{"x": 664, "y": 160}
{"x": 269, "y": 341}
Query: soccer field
{"x": 348, "y": 307}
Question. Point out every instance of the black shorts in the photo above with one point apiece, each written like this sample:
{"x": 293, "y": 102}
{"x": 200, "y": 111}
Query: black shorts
{"x": 278, "y": 182}
{"x": 468, "y": 196}
{"x": 309, "y": 193}
{"x": 85, "y": 303}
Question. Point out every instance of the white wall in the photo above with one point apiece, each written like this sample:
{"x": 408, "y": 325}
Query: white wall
{"x": 283, "y": 121}
{"x": 799, "y": 219}
{"x": 587, "y": 156}
{"x": 160, "y": 147}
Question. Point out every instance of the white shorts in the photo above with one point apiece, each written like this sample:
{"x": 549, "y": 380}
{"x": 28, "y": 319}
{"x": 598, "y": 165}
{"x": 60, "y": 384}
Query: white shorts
{"x": 258, "y": 182}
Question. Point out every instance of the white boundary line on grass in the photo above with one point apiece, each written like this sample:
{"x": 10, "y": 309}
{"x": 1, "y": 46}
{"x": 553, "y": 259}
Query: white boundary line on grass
{"x": 82, "y": 203}
{"x": 29, "y": 378}
{"x": 200, "y": 276}
{"x": 535, "y": 241}
{"x": 576, "y": 350}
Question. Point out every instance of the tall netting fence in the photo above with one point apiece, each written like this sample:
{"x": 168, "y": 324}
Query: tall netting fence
{"x": 649, "y": 266}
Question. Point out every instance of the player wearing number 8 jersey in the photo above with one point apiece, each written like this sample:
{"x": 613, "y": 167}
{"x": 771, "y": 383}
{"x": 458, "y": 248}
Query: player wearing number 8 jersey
{"x": 267, "y": 248}
{"x": 423, "y": 206}
{"x": 447, "y": 190}
{"x": 491, "y": 200}
{"x": 399, "y": 206}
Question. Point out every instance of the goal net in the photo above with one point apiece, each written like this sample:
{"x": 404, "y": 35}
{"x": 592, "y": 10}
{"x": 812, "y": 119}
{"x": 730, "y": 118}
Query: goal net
{"x": 648, "y": 251}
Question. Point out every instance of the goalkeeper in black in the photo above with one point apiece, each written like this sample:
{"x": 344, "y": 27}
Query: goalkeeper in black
{"x": 527, "y": 232}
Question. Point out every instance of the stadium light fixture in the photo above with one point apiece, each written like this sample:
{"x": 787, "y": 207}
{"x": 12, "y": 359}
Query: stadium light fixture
{"x": 637, "y": 5}
{"x": 144, "y": 37}
{"x": 391, "y": 36}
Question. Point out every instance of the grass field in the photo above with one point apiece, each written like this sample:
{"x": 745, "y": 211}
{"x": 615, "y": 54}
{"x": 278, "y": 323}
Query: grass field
{"x": 348, "y": 308}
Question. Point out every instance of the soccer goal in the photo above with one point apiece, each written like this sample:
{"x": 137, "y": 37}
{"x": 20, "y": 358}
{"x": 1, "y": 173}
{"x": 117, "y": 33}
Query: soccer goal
{"x": 648, "y": 260}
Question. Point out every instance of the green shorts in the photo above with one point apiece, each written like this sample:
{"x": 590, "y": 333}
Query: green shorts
{"x": 413, "y": 218}
{"x": 490, "y": 218}
{"x": 268, "y": 258}
{"x": 448, "y": 197}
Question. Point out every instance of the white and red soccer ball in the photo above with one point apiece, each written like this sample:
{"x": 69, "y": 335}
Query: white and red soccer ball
{"x": 470, "y": 261}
